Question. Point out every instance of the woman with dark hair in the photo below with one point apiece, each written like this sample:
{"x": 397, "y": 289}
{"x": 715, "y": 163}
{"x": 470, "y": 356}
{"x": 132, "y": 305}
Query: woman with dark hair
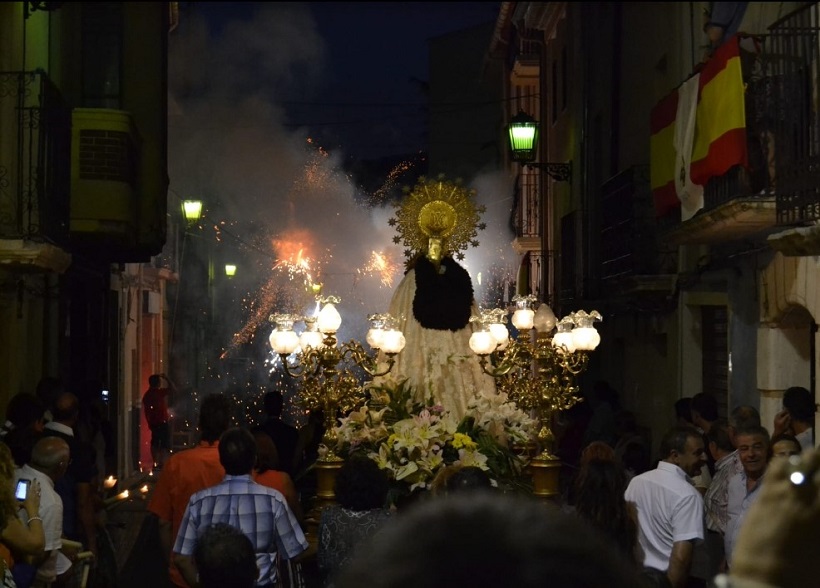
{"x": 361, "y": 491}
{"x": 268, "y": 474}
{"x": 599, "y": 500}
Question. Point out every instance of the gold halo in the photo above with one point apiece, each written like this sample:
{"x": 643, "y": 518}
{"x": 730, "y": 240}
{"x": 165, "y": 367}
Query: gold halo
{"x": 437, "y": 219}
{"x": 437, "y": 208}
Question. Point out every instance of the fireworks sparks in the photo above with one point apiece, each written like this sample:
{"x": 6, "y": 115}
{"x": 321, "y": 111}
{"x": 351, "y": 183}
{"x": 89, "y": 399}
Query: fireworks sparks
{"x": 293, "y": 251}
{"x": 380, "y": 264}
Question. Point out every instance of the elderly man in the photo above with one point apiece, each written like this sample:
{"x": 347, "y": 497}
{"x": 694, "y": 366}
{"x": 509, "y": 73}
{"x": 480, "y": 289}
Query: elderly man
{"x": 49, "y": 460}
{"x": 260, "y": 512}
{"x": 753, "y": 449}
{"x": 670, "y": 509}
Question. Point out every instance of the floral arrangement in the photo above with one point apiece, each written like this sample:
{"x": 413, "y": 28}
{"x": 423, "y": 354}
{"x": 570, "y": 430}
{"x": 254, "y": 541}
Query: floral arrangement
{"x": 413, "y": 441}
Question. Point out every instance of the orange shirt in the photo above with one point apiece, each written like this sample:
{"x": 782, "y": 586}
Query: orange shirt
{"x": 280, "y": 481}
{"x": 184, "y": 473}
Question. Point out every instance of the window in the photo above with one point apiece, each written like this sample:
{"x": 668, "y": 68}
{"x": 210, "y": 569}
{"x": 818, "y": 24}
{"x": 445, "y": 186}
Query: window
{"x": 102, "y": 54}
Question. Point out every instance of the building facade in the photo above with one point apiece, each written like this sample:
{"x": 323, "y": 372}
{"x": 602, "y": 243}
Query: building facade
{"x": 706, "y": 290}
{"x": 83, "y": 187}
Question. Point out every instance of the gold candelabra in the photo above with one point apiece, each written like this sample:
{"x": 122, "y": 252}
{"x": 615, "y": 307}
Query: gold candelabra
{"x": 325, "y": 368}
{"x": 538, "y": 368}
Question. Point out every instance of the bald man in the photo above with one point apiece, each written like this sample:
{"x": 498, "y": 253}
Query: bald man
{"x": 49, "y": 461}
{"x": 78, "y": 488}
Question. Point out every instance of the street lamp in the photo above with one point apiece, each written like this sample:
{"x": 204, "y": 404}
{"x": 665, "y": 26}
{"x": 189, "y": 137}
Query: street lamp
{"x": 192, "y": 211}
{"x": 230, "y": 270}
{"x": 523, "y": 130}
{"x": 537, "y": 372}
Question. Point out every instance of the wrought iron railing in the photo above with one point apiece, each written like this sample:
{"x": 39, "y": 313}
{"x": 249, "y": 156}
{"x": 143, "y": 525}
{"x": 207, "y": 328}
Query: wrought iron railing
{"x": 526, "y": 213}
{"x": 791, "y": 127}
{"x": 35, "y": 147}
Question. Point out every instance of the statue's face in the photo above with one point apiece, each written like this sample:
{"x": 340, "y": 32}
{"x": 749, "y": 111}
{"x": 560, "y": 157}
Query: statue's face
{"x": 434, "y": 250}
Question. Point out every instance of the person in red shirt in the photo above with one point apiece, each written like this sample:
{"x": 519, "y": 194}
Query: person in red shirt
{"x": 155, "y": 407}
{"x": 187, "y": 472}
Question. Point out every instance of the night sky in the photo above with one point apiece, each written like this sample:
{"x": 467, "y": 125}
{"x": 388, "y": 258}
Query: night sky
{"x": 361, "y": 89}
{"x": 268, "y": 105}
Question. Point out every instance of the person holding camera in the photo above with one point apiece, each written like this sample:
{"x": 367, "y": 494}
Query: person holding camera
{"x": 155, "y": 407}
{"x": 49, "y": 461}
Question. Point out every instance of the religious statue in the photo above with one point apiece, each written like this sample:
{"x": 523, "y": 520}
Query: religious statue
{"x": 433, "y": 303}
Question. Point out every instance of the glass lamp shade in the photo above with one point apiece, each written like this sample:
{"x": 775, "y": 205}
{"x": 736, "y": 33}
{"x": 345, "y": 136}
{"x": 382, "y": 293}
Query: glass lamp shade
{"x": 393, "y": 341}
{"x": 585, "y": 338}
{"x": 523, "y": 319}
{"x": 482, "y": 342}
{"x": 523, "y": 130}
{"x": 192, "y": 210}
{"x": 564, "y": 338}
{"x": 329, "y": 319}
{"x": 310, "y": 339}
{"x": 501, "y": 334}
{"x": 272, "y": 337}
{"x": 230, "y": 270}
{"x": 544, "y": 319}
{"x": 375, "y": 338}
{"x": 284, "y": 342}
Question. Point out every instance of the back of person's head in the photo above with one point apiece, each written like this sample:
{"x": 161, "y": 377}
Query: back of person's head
{"x": 274, "y": 402}
{"x": 267, "y": 456}
{"x": 486, "y": 540}
{"x": 719, "y": 435}
{"x": 361, "y": 485}
{"x": 744, "y": 416}
{"x": 25, "y": 410}
{"x": 705, "y": 404}
{"x": 469, "y": 479}
{"x": 800, "y": 404}
{"x": 675, "y": 440}
{"x": 154, "y": 381}
{"x": 214, "y": 417}
{"x": 66, "y": 408}
{"x": 225, "y": 558}
{"x": 50, "y": 454}
{"x": 21, "y": 442}
{"x": 47, "y": 390}
{"x": 237, "y": 451}
{"x": 683, "y": 409}
{"x": 599, "y": 492}
{"x": 597, "y": 450}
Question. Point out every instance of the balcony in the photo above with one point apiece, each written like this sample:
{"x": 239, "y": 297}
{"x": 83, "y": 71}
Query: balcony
{"x": 34, "y": 173}
{"x": 794, "y": 56}
{"x": 780, "y": 190}
{"x": 634, "y": 260}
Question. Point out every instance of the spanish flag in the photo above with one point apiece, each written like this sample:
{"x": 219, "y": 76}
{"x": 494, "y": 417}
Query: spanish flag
{"x": 720, "y": 129}
{"x": 662, "y": 154}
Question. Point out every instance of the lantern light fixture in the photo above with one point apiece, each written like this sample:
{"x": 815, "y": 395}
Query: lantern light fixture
{"x": 523, "y": 136}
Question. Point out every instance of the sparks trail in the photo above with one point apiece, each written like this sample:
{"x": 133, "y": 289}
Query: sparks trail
{"x": 382, "y": 265}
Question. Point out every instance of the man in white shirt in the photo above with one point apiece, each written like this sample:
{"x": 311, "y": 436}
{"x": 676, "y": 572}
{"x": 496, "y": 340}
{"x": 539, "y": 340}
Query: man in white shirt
{"x": 49, "y": 461}
{"x": 670, "y": 509}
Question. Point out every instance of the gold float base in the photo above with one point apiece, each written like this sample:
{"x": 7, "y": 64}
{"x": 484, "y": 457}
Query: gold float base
{"x": 546, "y": 474}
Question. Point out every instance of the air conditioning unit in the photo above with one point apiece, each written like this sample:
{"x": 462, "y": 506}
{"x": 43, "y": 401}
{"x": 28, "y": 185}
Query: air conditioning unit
{"x": 104, "y": 170}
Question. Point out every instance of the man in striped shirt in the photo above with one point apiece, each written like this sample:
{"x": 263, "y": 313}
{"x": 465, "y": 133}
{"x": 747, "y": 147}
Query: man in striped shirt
{"x": 261, "y": 513}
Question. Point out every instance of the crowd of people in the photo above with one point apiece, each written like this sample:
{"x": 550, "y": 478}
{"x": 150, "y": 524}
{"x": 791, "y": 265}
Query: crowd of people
{"x": 56, "y": 447}
{"x": 719, "y": 508}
